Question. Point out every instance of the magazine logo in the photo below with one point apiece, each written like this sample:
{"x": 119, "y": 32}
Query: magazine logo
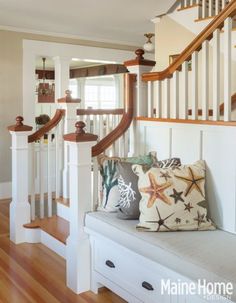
{"x": 208, "y": 290}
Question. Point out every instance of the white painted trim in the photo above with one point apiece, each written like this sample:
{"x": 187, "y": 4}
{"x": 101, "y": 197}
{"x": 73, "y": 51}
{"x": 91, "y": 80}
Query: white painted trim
{"x": 32, "y": 48}
{"x": 63, "y": 211}
{"x": 84, "y": 39}
{"x": 5, "y": 190}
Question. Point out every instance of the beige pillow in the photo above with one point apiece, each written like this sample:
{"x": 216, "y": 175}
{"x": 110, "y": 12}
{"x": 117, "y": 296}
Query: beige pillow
{"x": 173, "y": 199}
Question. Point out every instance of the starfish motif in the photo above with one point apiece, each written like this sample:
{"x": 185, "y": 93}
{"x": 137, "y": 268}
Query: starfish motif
{"x": 165, "y": 175}
{"x": 156, "y": 191}
{"x": 192, "y": 182}
{"x": 200, "y": 219}
{"x": 188, "y": 207}
{"x": 202, "y": 203}
{"x": 177, "y": 220}
{"x": 161, "y": 222}
{"x": 177, "y": 196}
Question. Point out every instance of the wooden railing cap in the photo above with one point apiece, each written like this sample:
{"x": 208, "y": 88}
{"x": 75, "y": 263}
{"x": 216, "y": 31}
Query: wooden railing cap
{"x": 19, "y": 126}
{"x": 80, "y": 135}
{"x": 139, "y": 60}
{"x": 68, "y": 98}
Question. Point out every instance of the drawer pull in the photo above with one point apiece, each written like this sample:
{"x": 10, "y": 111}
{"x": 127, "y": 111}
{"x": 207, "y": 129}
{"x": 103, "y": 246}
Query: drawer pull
{"x": 147, "y": 286}
{"x": 110, "y": 264}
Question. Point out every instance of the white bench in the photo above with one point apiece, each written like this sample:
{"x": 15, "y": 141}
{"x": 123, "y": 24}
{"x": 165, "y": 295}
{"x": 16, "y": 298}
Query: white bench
{"x": 126, "y": 260}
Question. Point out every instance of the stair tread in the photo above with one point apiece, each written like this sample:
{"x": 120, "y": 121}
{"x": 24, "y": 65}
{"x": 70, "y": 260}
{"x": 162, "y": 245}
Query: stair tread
{"x": 63, "y": 201}
{"x": 55, "y": 226}
{"x": 188, "y": 7}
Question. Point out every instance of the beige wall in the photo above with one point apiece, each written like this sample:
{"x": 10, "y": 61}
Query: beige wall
{"x": 11, "y": 55}
{"x": 170, "y": 38}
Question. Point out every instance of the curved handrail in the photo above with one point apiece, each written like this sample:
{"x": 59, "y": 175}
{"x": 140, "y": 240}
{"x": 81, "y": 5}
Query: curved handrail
{"x": 126, "y": 120}
{"x": 100, "y": 112}
{"x": 47, "y": 127}
{"x": 195, "y": 45}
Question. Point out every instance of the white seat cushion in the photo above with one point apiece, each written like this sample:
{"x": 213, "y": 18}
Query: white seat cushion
{"x": 209, "y": 255}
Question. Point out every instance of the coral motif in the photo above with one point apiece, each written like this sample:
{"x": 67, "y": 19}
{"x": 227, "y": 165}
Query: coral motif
{"x": 127, "y": 194}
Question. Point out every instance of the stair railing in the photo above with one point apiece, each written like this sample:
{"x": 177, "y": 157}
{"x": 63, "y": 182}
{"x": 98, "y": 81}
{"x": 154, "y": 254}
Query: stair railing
{"x": 193, "y": 80}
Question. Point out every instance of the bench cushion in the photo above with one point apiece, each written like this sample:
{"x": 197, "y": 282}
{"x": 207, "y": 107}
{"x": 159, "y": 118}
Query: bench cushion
{"x": 209, "y": 255}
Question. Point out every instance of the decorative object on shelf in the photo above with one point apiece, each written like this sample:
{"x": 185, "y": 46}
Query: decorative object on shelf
{"x": 148, "y": 45}
{"x": 172, "y": 58}
{"x": 45, "y": 90}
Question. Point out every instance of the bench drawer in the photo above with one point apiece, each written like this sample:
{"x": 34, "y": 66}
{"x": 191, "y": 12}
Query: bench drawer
{"x": 130, "y": 271}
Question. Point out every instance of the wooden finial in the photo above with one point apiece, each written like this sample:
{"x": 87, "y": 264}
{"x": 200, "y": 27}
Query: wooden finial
{"x": 19, "y": 126}
{"x": 68, "y": 98}
{"x": 80, "y": 135}
{"x": 139, "y": 53}
{"x": 68, "y": 95}
{"x": 80, "y": 127}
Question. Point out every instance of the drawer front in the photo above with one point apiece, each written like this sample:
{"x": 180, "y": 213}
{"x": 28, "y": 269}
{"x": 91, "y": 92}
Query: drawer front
{"x": 130, "y": 271}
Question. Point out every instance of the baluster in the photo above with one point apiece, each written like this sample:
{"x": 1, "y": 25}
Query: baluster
{"x": 166, "y": 98}
{"x": 224, "y": 2}
{"x": 195, "y": 86}
{"x": 204, "y": 8}
{"x": 57, "y": 163}
{"x": 101, "y": 126}
{"x": 95, "y": 125}
{"x": 107, "y": 124}
{"x": 41, "y": 176}
{"x": 126, "y": 143}
{"x": 227, "y": 68}
{"x": 176, "y": 95}
{"x": 88, "y": 123}
{"x": 211, "y": 4}
{"x": 95, "y": 184}
{"x": 205, "y": 79}
{"x": 49, "y": 173}
{"x": 216, "y": 74}
{"x": 32, "y": 180}
{"x": 159, "y": 100}
{"x": 217, "y": 7}
{"x": 150, "y": 99}
{"x": 185, "y": 66}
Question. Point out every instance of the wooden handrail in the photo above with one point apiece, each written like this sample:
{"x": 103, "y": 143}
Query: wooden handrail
{"x": 47, "y": 127}
{"x": 100, "y": 112}
{"x": 126, "y": 120}
{"x": 195, "y": 45}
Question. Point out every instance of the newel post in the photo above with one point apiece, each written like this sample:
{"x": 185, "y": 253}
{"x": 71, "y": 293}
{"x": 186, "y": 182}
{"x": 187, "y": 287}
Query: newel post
{"x": 70, "y": 105}
{"x": 19, "y": 207}
{"x": 77, "y": 246}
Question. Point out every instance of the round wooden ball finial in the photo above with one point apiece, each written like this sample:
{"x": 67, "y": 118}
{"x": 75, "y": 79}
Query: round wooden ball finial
{"x": 139, "y": 53}
{"x": 80, "y": 125}
{"x": 19, "y": 120}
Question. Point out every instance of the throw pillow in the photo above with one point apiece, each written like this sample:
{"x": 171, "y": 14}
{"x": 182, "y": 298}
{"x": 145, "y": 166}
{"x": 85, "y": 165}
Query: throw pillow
{"x": 171, "y": 162}
{"x": 173, "y": 199}
{"x": 109, "y": 173}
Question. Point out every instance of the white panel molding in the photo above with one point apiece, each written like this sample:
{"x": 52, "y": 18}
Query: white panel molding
{"x": 5, "y": 190}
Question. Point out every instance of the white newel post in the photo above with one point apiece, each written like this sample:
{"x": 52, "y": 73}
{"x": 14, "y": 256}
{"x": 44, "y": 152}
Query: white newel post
{"x": 70, "y": 106}
{"x": 138, "y": 66}
{"x": 77, "y": 245}
{"x": 19, "y": 207}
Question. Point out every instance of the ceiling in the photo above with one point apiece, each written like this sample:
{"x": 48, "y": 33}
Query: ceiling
{"x": 117, "y": 21}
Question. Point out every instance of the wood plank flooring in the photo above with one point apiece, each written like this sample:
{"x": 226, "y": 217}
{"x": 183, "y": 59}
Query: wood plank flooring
{"x": 31, "y": 273}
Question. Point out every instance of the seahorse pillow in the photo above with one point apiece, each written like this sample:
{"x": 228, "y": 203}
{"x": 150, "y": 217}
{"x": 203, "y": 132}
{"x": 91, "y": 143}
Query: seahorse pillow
{"x": 108, "y": 169}
{"x": 173, "y": 199}
{"x": 128, "y": 205}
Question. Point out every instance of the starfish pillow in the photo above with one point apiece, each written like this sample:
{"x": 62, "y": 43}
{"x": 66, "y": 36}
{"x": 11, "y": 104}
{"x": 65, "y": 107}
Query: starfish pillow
{"x": 173, "y": 199}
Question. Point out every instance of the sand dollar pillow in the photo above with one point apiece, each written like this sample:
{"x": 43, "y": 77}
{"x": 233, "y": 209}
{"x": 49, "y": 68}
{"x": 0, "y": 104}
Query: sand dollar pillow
{"x": 108, "y": 168}
{"x": 173, "y": 199}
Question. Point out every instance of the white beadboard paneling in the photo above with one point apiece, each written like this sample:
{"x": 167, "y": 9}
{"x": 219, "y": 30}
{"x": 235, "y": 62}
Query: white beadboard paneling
{"x": 184, "y": 146}
{"x": 219, "y": 154}
{"x": 191, "y": 142}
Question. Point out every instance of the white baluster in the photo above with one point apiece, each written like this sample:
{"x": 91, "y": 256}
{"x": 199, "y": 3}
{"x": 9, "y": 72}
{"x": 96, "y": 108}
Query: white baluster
{"x": 49, "y": 174}
{"x": 41, "y": 176}
{"x": 58, "y": 161}
{"x": 227, "y": 68}
{"x": 95, "y": 184}
{"x": 32, "y": 179}
{"x": 101, "y": 127}
{"x": 195, "y": 86}
{"x": 159, "y": 100}
{"x": 204, "y": 9}
{"x": 224, "y": 2}
{"x": 211, "y": 4}
{"x": 185, "y": 66}
{"x": 166, "y": 98}
{"x": 88, "y": 123}
{"x": 217, "y": 7}
{"x": 205, "y": 79}
{"x": 216, "y": 74}
{"x": 150, "y": 99}
{"x": 176, "y": 95}
{"x": 107, "y": 125}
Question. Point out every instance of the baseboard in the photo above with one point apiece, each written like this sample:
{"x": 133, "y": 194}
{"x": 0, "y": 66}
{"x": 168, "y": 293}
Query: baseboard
{"x": 5, "y": 190}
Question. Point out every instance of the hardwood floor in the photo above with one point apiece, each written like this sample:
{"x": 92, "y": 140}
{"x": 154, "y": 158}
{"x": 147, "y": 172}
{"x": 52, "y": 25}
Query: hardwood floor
{"x": 31, "y": 273}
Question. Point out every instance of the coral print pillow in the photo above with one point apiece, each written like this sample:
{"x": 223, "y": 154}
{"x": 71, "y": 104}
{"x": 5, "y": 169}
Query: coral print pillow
{"x": 109, "y": 173}
{"x": 173, "y": 199}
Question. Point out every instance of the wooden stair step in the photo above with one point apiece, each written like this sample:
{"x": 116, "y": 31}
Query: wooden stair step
{"x": 63, "y": 201}
{"x": 188, "y": 7}
{"x": 55, "y": 226}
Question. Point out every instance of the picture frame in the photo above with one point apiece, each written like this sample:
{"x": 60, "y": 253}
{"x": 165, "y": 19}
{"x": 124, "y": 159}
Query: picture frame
{"x": 172, "y": 58}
